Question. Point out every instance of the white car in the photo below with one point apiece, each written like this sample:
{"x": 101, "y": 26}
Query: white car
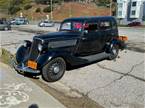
{"x": 46, "y": 24}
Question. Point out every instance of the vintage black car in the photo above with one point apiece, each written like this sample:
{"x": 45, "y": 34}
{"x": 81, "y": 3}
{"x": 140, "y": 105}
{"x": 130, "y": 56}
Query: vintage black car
{"x": 79, "y": 41}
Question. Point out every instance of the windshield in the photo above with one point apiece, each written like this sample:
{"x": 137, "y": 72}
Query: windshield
{"x": 71, "y": 26}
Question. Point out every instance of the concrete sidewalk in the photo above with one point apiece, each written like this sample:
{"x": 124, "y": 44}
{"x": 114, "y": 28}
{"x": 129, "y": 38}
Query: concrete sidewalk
{"x": 17, "y": 91}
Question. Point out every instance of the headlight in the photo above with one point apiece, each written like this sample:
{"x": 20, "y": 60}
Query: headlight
{"x": 40, "y": 47}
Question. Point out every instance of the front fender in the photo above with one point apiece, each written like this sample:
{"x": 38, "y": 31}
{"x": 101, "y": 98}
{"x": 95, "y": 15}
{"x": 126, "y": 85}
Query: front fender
{"x": 45, "y": 58}
{"x": 22, "y": 53}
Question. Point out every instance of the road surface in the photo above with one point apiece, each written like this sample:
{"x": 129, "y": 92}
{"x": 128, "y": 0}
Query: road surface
{"x": 112, "y": 84}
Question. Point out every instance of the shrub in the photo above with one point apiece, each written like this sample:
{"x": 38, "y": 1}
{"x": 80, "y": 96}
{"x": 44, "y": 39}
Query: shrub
{"x": 14, "y": 9}
{"x": 38, "y": 10}
{"x": 47, "y": 9}
{"x": 27, "y": 7}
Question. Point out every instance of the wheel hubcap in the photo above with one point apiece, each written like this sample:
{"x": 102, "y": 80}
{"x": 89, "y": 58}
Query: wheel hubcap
{"x": 56, "y": 69}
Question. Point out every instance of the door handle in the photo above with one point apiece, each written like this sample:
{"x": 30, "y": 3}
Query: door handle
{"x": 83, "y": 38}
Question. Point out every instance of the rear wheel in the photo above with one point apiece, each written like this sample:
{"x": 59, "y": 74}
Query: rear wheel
{"x": 54, "y": 70}
{"x": 114, "y": 50}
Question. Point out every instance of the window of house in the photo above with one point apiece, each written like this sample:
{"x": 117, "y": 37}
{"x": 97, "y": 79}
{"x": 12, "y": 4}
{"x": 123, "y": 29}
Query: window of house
{"x": 104, "y": 25}
{"x": 120, "y": 5}
{"x": 133, "y": 12}
{"x": 133, "y": 3}
{"x": 119, "y": 13}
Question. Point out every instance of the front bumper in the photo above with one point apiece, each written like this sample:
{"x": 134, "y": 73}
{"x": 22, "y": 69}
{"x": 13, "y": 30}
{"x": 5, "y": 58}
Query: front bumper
{"x": 24, "y": 69}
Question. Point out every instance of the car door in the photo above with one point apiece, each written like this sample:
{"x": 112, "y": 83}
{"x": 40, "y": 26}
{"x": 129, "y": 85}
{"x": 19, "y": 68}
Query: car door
{"x": 90, "y": 40}
{"x": 106, "y": 31}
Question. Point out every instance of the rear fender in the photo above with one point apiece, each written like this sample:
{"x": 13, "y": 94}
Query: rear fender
{"x": 122, "y": 45}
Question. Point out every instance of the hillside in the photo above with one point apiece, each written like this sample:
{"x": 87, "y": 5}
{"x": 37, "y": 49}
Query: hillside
{"x": 79, "y": 9}
{"x": 66, "y": 10}
{"x": 60, "y": 12}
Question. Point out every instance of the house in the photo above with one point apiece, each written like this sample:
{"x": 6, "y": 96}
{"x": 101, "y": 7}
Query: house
{"x": 130, "y": 10}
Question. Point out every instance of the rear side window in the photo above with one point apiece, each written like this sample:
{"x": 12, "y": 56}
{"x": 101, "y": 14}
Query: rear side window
{"x": 105, "y": 25}
{"x": 114, "y": 25}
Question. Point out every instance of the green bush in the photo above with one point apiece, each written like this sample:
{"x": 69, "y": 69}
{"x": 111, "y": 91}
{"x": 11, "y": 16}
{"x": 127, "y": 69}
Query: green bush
{"x": 6, "y": 56}
{"x": 27, "y": 7}
{"x": 38, "y": 10}
{"x": 47, "y": 9}
{"x": 14, "y": 9}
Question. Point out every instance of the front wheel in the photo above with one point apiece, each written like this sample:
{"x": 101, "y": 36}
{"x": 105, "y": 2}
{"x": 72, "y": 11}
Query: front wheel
{"x": 114, "y": 50}
{"x": 54, "y": 70}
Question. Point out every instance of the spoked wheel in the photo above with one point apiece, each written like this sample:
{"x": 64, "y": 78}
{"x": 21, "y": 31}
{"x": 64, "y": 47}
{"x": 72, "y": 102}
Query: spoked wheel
{"x": 54, "y": 70}
{"x": 113, "y": 52}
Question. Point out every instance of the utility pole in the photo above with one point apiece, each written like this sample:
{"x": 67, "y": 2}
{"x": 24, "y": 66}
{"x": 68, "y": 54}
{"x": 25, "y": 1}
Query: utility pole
{"x": 110, "y": 7}
{"x": 70, "y": 10}
{"x": 51, "y": 9}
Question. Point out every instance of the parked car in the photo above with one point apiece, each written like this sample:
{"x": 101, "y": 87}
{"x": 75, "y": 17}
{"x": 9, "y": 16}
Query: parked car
{"x": 134, "y": 24}
{"x": 46, "y": 23}
{"x": 21, "y": 21}
{"x": 79, "y": 41}
{"x": 4, "y": 25}
{"x": 12, "y": 21}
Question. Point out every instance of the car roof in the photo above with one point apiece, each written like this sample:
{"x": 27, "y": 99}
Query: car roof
{"x": 82, "y": 19}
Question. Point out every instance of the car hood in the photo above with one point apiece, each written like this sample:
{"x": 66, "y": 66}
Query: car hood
{"x": 58, "y": 35}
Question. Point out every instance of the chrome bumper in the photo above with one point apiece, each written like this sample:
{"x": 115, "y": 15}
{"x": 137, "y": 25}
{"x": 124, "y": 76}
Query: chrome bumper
{"x": 24, "y": 69}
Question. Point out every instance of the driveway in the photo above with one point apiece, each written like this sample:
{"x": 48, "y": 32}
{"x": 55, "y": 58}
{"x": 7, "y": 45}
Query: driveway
{"x": 112, "y": 84}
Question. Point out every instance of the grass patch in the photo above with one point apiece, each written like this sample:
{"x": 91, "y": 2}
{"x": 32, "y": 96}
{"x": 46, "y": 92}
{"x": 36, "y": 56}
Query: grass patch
{"x": 6, "y": 56}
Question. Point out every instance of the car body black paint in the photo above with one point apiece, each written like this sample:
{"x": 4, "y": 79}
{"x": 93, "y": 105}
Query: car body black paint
{"x": 75, "y": 47}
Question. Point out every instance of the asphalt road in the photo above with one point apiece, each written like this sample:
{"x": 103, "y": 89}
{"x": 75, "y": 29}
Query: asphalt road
{"x": 112, "y": 84}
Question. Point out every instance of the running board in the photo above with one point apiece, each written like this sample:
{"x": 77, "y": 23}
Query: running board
{"x": 95, "y": 57}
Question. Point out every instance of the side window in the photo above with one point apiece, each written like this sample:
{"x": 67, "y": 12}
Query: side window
{"x": 77, "y": 26}
{"x": 114, "y": 25}
{"x": 105, "y": 25}
{"x": 91, "y": 27}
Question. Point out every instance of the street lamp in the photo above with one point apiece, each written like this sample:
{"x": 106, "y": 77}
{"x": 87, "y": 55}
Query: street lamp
{"x": 110, "y": 7}
{"x": 51, "y": 9}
